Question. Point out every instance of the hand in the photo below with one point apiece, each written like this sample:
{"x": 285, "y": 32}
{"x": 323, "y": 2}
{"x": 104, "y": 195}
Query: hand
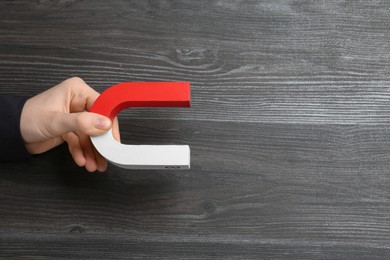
{"x": 61, "y": 114}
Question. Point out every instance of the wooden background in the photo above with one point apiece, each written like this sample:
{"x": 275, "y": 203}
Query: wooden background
{"x": 289, "y": 130}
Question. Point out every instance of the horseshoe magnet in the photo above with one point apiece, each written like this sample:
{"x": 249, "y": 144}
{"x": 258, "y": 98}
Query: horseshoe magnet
{"x": 142, "y": 94}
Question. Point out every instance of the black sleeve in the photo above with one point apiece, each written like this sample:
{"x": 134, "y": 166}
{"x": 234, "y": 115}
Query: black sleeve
{"x": 11, "y": 142}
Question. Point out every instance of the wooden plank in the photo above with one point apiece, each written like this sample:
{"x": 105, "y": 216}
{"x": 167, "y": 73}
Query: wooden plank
{"x": 275, "y": 187}
{"x": 293, "y": 61}
{"x": 289, "y": 130}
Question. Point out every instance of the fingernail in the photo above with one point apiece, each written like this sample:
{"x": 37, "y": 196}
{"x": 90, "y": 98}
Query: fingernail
{"x": 102, "y": 123}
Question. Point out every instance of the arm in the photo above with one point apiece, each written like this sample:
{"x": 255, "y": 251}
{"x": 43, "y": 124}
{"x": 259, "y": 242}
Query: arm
{"x": 12, "y": 146}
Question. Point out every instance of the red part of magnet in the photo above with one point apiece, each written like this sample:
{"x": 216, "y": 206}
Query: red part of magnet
{"x": 142, "y": 94}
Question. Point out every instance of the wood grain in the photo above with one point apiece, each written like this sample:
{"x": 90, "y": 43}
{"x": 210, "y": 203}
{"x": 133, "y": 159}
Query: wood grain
{"x": 289, "y": 130}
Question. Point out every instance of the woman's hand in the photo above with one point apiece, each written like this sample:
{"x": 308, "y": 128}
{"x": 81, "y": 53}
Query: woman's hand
{"x": 61, "y": 114}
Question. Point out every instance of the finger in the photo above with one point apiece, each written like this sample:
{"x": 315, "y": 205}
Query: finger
{"x": 75, "y": 148}
{"x": 101, "y": 162}
{"x": 82, "y": 95}
{"x": 91, "y": 162}
{"x": 115, "y": 130}
{"x": 85, "y": 122}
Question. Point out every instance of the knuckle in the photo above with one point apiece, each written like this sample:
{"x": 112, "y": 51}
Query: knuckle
{"x": 74, "y": 82}
{"x": 84, "y": 123}
{"x": 81, "y": 121}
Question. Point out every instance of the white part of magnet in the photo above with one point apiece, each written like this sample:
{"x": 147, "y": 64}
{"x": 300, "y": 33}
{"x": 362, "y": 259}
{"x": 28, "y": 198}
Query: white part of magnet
{"x": 142, "y": 156}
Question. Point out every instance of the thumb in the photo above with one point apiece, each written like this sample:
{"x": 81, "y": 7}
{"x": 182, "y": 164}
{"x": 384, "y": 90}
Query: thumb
{"x": 85, "y": 122}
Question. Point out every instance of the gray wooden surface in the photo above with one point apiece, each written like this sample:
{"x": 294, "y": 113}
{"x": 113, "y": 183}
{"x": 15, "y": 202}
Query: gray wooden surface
{"x": 289, "y": 130}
